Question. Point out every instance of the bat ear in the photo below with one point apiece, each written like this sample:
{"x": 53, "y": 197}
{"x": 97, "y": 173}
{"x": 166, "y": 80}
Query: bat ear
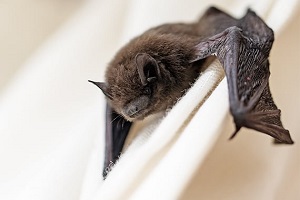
{"x": 103, "y": 87}
{"x": 148, "y": 68}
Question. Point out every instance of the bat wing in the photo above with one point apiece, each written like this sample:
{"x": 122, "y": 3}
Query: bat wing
{"x": 117, "y": 129}
{"x": 243, "y": 50}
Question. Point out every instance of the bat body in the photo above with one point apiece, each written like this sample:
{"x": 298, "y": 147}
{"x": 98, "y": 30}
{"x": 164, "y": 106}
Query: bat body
{"x": 152, "y": 71}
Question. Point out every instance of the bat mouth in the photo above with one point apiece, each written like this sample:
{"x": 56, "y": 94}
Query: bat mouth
{"x": 136, "y": 116}
{"x": 140, "y": 115}
{"x": 137, "y": 108}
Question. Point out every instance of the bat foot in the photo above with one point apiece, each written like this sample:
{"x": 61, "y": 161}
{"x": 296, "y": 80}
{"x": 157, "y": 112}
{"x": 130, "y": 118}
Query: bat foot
{"x": 267, "y": 122}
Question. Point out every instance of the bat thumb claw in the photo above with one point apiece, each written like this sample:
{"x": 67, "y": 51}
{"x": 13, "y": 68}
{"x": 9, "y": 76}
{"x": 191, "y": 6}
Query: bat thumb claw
{"x": 237, "y": 128}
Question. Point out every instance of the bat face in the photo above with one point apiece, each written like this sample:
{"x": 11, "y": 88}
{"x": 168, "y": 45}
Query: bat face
{"x": 133, "y": 86}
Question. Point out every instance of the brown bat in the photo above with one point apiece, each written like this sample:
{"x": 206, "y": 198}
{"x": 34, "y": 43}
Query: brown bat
{"x": 153, "y": 70}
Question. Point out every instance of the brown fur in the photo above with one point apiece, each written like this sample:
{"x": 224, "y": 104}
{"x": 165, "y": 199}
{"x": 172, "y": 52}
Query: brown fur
{"x": 171, "y": 52}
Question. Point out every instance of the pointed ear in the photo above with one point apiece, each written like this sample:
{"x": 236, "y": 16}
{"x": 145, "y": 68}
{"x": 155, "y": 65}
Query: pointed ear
{"x": 148, "y": 68}
{"x": 103, "y": 87}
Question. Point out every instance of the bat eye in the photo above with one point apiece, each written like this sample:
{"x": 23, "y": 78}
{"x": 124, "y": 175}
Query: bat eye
{"x": 151, "y": 79}
{"x": 147, "y": 91}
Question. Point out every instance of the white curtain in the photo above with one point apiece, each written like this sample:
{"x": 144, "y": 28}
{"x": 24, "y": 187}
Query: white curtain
{"x": 52, "y": 119}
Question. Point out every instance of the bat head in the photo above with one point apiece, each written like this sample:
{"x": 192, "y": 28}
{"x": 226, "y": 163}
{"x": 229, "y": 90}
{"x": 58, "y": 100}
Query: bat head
{"x": 148, "y": 76}
{"x": 134, "y": 86}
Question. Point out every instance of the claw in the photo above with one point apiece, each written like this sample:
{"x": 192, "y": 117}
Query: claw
{"x": 237, "y": 129}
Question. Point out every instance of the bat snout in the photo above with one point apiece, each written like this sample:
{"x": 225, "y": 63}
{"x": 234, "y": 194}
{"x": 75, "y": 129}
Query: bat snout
{"x": 134, "y": 108}
{"x": 131, "y": 110}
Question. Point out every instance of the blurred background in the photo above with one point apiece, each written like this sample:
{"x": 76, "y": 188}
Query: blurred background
{"x": 25, "y": 25}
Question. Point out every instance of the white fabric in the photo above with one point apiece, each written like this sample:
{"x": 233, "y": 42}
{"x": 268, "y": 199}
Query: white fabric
{"x": 52, "y": 125}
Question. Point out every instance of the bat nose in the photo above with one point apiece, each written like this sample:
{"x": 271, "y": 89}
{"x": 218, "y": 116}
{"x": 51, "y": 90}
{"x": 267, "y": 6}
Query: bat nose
{"x": 135, "y": 106}
{"x": 131, "y": 110}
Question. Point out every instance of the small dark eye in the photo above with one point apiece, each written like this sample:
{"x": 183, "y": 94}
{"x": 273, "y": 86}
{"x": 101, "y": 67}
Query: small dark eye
{"x": 147, "y": 90}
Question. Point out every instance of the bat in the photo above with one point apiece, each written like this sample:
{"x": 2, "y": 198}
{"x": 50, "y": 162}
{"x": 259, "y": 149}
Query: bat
{"x": 153, "y": 70}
